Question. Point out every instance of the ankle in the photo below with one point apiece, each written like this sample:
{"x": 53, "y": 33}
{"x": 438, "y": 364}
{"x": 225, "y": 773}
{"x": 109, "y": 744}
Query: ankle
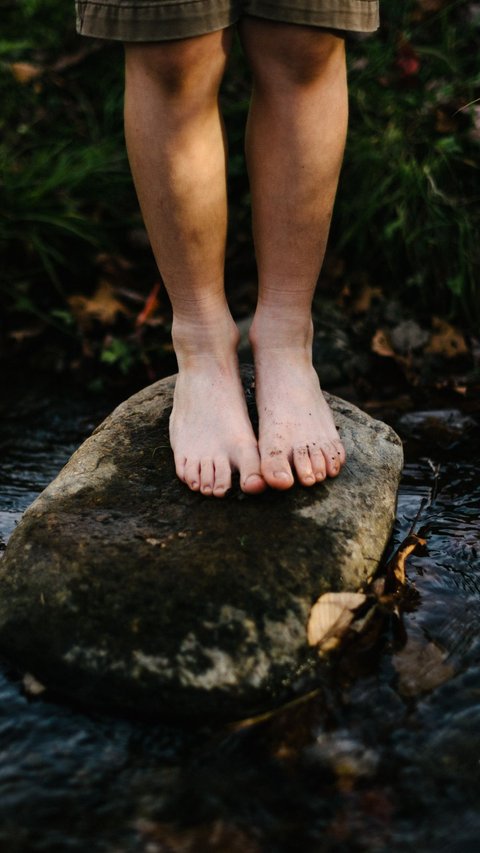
{"x": 272, "y": 331}
{"x": 214, "y": 336}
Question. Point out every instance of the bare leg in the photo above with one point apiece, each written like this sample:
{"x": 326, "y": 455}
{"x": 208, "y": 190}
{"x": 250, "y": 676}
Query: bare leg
{"x": 176, "y": 148}
{"x": 295, "y": 142}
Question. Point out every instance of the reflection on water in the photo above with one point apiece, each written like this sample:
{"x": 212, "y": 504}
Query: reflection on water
{"x": 365, "y": 765}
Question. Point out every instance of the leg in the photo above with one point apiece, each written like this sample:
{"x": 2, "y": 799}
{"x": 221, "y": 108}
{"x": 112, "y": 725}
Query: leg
{"x": 295, "y": 140}
{"x": 176, "y": 148}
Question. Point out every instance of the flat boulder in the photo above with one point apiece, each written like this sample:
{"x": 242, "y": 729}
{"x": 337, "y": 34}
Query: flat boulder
{"x": 122, "y": 589}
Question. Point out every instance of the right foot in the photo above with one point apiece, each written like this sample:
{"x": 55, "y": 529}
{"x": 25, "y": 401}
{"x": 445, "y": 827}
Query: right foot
{"x": 210, "y": 430}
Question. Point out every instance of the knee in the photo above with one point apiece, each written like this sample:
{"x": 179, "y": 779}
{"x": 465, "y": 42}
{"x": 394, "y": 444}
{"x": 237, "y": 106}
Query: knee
{"x": 177, "y": 68}
{"x": 298, "y": 56}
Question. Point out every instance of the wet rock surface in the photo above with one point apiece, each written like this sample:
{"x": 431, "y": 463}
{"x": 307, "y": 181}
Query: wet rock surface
{"x": 122, "y": 589}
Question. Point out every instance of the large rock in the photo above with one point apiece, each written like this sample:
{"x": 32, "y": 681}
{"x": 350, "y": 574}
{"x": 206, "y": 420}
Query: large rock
{"x": 125, "y": 590}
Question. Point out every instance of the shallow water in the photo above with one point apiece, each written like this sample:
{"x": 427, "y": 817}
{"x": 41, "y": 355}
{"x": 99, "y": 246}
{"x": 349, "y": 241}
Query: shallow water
{"x": 385, "y": 757}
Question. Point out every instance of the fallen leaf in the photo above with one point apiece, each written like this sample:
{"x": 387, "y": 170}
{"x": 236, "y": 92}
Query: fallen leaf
{"x": 24, "y": 72}
{"x": 363, "y": 301}
{"x": 395, "y": 571}
{"x": 330, "y": 617}
{"x": 31, "y": 686}
{"x": 421, "y": 667}
{"x": 381, "y": 345}
{"x": 446, "y": 340}
{"x": 102, "y": 306}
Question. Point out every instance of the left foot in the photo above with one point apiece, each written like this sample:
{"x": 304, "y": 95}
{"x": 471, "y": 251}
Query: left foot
{"x": 297, "y": 433}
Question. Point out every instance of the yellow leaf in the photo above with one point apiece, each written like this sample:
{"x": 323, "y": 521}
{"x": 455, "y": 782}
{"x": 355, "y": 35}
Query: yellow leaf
{"x": 25, "y": 71}
{"x": 396, "y": 572}
{"x": 31, "y": 686}
{"x": 102, "y": 306}
{"x": 446, "y": 340}
{"x": 381, "y": 344}
{"x": 330, "y": 617}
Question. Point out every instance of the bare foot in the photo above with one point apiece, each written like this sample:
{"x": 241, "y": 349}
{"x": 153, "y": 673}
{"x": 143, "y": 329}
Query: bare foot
{"x": 210, "y": 431}
{"x": 297, "y": 430}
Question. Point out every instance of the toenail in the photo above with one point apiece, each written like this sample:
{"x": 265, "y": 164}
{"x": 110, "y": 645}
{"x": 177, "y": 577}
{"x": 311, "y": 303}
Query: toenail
{"x": 281, "y": 475}
{"x": 309, "y": 478}
{"x": 251, "y": 478}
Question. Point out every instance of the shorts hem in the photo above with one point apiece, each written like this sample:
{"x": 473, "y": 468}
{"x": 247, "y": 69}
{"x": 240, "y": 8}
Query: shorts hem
{"x": 103, "y": 20}
{"x": 359, "y": 16}
{"x": 147, "y": 21}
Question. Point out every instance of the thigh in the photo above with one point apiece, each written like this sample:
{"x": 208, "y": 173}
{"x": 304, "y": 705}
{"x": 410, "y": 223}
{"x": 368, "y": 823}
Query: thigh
{"x": 154, "y": 20}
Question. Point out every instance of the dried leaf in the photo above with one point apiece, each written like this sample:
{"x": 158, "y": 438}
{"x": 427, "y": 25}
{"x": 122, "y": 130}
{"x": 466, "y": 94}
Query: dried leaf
{"x": 421, "y": 666}
{"x": 31, "y": 686}
{"x": 24, "y": 72}
{"x": 446, "y": 340}
{"x": 363, "y": 301}
{"x": 330, "y": 617}
{"x": 381, "y": 344}
{"x": 102, "y": 306}
{"x": 396, "y": 572}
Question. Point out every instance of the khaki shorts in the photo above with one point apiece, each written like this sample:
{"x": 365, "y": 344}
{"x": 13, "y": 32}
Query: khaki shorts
{"x": 160, "y": 20}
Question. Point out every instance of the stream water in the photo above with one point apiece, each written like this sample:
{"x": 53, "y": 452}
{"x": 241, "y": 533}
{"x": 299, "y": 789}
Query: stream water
{"x": 386, "y": 757}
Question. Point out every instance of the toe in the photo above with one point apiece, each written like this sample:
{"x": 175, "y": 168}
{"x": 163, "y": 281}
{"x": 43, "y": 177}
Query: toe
{"x": 276, "y": 469}
{"x": 180, "y": 466}
{"x": 192, "y": 474}
{"x": 206, "y": 476}
{"x": 251, "y": 480}
{"x": 303, "y": 465}
{"x": 332, "y": 464}
{"x": 317, "y": 461}
{"x": 223, "y": 477}
{"x": 340, "y": 451}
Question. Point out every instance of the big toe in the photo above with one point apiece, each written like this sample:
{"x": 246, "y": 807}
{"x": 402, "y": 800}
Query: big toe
{"x": 251, "y": 480}
{"x": 276, "y": 469}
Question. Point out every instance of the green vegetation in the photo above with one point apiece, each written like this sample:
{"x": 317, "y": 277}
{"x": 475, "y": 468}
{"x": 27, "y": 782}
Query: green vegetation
{"x": 411, "y": 183}
{"x": 406, "y": 219}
